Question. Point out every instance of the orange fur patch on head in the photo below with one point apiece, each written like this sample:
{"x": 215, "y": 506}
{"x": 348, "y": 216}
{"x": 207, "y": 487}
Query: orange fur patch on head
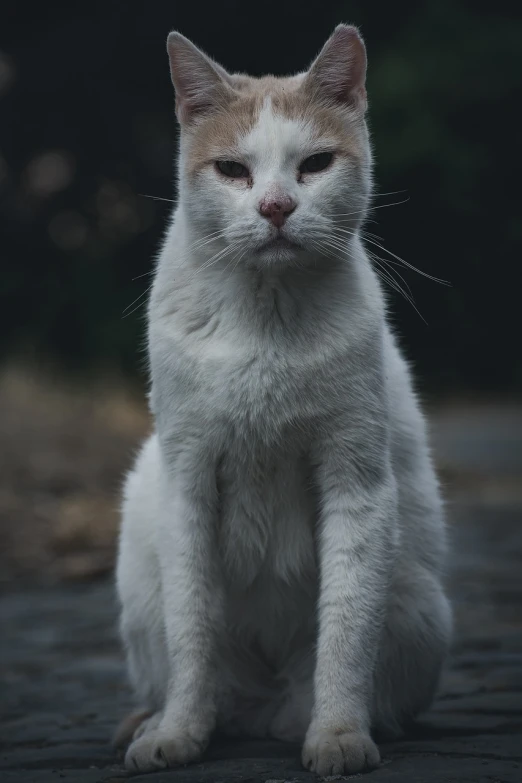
{"x": 216, "y": 134}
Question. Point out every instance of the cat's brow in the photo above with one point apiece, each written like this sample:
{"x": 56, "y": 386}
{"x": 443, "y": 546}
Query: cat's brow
{"x": 218, "y": 135}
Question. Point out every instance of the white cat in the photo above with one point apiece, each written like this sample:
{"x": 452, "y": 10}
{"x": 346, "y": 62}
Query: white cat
{"x": 283, "y": 544}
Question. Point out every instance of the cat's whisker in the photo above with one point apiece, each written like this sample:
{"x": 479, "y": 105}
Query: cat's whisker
{"x": 341, "y": 245}
{"x": 242, "y": 255}
{"x": 390, "y": 266}
{"x": 365, "y": 233}
{"x": 386, "y": 274}
{"x": 350, "y": 232}
{"x": 389, "y": 193}
{"x": 386, "y": 277}
{"x": 391, "y": 204}
{"x": 208, "y": 239}
{"x": 330, "y": 243}
{"x": 367, "y": 237}
{"x": 326, "y": 245}
{"x": 367, "y": 210}
{"x": 157, "y": 198}
{"x": 209, "y": 262}
{"x": 407, "y": 264}
{"x": 236, "y": 258}
{"x": 196, "y": 245}
{"x": 137, "y": 300}
{"x": 145, "y": 274}
{"x": 214, "y": 259}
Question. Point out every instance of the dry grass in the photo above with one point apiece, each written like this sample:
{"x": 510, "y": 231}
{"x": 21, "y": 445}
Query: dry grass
{"x": 63, "y": 453}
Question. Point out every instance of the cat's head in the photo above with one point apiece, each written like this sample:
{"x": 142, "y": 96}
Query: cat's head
{"x": 273, "y": 170}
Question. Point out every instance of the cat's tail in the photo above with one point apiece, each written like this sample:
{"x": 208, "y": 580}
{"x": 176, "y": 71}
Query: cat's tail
{"x": 128, "y": 726}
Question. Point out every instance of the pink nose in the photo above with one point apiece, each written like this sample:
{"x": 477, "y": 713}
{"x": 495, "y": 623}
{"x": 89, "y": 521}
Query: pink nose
{"x": 277, "y": 210}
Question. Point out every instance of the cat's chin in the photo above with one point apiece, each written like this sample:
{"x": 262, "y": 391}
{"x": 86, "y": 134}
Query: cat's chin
{"x": 280, "y": 250}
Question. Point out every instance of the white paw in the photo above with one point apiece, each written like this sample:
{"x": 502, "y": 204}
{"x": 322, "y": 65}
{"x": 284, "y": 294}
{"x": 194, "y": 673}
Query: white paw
{"x": 329, "y": 752}
{"x": 149, "y": 724}
{"x": 159, "y": 748}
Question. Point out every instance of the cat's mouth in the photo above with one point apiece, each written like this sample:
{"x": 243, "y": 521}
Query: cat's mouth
{"x": 279, "y": 242}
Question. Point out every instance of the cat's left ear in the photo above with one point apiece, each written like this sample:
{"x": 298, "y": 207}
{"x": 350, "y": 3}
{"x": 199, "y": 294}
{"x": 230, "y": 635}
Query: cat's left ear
{"x": 339, "y": 71}
{"x": 199, "y": 82}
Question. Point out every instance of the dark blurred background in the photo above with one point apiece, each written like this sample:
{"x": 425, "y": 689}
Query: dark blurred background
{"x": 87, "y": 132}
{"x": 87, "y": 125}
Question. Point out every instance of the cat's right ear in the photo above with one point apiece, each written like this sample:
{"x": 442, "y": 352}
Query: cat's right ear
{"x": 339, "y": 70}
{"x": 198, "y": 81}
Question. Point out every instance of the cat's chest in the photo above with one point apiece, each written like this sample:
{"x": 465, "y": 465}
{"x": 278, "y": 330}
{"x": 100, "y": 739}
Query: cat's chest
{"x": 265, "y": 382}
{"x": 268, "y": 513}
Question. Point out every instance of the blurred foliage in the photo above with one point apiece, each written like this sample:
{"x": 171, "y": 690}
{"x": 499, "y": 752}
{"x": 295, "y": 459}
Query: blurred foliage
{"x": 87, "y": 126}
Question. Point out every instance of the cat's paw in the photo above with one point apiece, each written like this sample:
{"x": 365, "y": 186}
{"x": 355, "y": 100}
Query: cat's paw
{"x": 329, "y": 752}
{"x": 160, "y": 747}
{"x": 129, "y": 727}
{"x": 149, "y": 724}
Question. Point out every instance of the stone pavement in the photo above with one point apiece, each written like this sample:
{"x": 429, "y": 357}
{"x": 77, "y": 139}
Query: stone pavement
{"x": 64, "y": 690}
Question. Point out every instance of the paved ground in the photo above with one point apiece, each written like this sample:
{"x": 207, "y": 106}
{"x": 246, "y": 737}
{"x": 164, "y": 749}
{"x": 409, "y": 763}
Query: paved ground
{"x": 63, "y": 688}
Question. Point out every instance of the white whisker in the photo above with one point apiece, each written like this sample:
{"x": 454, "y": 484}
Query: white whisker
{"x": 137, "y": 300}
{"x": 367, "y": 237}
{"x": 331, "y": 242}
{"x": 157, "y": 198}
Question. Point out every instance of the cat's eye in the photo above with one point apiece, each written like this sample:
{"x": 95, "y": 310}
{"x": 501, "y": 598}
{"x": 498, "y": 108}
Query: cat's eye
{"x": 315, "y": 163}
{"x": 232, "y": 169}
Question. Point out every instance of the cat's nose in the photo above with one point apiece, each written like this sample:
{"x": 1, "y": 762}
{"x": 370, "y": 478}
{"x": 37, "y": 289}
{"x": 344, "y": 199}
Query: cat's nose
{"x": 277, "y": 209}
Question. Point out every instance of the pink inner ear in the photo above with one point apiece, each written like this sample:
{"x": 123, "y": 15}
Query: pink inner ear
{"x": 340, "y": 67}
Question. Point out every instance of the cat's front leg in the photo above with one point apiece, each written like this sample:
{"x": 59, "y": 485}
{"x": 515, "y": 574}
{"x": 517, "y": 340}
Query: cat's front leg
{"x": 193, "y": 612}
{"x": 356, "y": 553}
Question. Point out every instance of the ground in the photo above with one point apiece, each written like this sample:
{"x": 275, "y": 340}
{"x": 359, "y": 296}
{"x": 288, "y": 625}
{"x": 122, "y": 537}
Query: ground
{"x": 63, "y": 683}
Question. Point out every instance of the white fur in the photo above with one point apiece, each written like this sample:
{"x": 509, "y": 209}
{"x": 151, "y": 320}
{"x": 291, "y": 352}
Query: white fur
{"x": 282, "y": 545}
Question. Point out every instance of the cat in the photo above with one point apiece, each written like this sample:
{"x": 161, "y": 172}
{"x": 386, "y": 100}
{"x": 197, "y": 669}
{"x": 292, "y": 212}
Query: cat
{"x": 282, "y": 551}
